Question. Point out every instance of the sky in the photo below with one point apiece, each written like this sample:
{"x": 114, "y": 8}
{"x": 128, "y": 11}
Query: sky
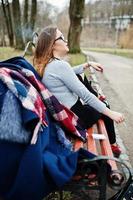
{"x": 60, "y": 4}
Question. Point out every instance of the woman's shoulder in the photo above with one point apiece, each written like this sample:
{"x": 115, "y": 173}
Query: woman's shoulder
{"x": 57, "y": 65}
{"x": 59, "y": 62}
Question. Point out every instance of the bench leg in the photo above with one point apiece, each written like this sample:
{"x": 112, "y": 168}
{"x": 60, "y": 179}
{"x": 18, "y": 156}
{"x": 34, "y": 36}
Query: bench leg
{"x": 103, "y": 180}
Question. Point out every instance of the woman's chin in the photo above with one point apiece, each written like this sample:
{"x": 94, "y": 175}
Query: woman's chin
{"x": 67, "y": 50}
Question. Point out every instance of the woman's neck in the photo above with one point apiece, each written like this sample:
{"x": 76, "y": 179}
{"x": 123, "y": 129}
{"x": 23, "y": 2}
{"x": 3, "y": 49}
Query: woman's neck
{"x": 57, "y": 56}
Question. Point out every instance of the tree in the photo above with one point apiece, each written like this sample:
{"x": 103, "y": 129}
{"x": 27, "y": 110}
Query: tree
{"x": 26, "y": 7}
{"x": 29, "y": 19}
{"x": 76, "y": 14}
{"x": 17, "y": 24}
{"x": 26, "y": 29}
{"x": 2, "y": 28}
{"x": 8, "y": 21}
{"x": 43, "y": 17}
{"x": 33, "y": 14}
{"x": 122, "y": 8}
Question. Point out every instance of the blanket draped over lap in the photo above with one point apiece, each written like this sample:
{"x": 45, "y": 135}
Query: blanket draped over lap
{"x": 36, "y": 154}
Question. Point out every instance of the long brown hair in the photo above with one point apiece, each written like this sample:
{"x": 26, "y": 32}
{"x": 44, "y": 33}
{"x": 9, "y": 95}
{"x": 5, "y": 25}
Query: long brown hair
{"x": 43, "y": 51}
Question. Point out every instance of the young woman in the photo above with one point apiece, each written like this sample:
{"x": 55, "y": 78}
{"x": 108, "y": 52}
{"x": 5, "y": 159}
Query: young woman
{"x": 60, "y": 78}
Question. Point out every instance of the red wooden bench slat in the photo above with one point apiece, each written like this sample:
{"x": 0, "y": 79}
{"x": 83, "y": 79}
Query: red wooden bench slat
{"x": 105, "y": 145}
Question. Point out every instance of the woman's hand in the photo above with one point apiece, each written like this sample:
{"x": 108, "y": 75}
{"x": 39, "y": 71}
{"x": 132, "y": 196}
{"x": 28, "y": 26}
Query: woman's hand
{"x": 116, "y": 116}
{"x": 96, "y": 66}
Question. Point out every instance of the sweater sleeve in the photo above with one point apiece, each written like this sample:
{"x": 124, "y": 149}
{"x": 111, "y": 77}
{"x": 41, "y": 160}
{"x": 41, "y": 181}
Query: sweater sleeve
{"x": 69, "y": 78}
{"x": 78, "y": 69}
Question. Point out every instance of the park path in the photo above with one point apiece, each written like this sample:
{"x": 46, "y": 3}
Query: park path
{"x": 117, "y": 84}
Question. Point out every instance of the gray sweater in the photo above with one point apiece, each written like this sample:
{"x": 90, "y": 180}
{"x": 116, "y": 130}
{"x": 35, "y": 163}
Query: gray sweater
{"x": 61, "y": 80}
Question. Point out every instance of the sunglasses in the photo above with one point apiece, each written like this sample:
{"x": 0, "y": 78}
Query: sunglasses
{"x": 61, "y": 38}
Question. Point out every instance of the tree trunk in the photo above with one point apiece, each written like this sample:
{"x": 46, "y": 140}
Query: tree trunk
{"x": 33, "y": 14}
{"x": 29, "y": 29}
{"x": 17, "y": 24}
{"x": 26, "y": 6}
{"x": 3, "y": 33}
{"x": 8, "y": 20}
{"x": 76, "y": 14}
{"x": 26, "y": 31}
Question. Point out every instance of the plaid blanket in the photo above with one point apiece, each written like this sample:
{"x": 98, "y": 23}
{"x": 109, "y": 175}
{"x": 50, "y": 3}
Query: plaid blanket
{"x": 34, "y": 96}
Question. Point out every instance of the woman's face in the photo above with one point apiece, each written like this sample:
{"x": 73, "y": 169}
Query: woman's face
{"x": 60, "y": 45}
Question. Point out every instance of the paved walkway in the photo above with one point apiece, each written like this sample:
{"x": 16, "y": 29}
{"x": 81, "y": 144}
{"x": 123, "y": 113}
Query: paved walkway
{"x": 117, "y": 85}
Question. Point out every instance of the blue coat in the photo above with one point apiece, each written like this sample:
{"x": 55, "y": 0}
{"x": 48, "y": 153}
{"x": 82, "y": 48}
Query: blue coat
{"x": 31, "y": 172}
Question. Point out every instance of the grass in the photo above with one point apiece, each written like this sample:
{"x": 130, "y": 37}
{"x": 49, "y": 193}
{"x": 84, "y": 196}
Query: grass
{"x": 76, "y": 59}
{"x": 120, "y": 52}
{"x": 8, "y": 52}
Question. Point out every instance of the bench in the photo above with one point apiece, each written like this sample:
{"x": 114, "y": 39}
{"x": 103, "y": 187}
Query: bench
{"x": 101, "y": 148}
{"x": 104, "y": 147}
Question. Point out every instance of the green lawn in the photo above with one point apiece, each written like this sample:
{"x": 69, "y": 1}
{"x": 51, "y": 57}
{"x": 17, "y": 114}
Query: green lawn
{"x": 121, "y": 52}
{"x": 8, "y": 52}
{"x": 76, "y": 59}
